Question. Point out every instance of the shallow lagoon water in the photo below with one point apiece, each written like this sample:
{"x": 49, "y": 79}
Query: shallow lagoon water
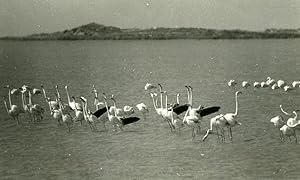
{"x": 147, "y": 149}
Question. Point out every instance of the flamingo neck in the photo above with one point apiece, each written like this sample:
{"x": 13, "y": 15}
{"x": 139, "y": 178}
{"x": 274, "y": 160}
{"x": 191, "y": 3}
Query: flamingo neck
{"x": 23, "y": 103}
{"x": 177, "y": 99}
{"x": 296, "y": 115}
{"x": 75, "y": 109}
{"x": 44, "y": 92}
{"x": 188, "y": 97}
{"x": 155, "y": 106}
{"x": 166, "y": 101}
{"x": 68, "y": 96}
{"x": 236, "y": 105}
{"x": 191, "y": 98}
{"x": 30, "y": 98}
{"x": 9, "y": 98}
{"x": 107, "y": 110}
{"x": 58, "y": 95}
{"x": 186, "y": 113}
{"x": 115, "y": 107}
{"x": 5, "y": 104}
{"x": 84, "y": 113}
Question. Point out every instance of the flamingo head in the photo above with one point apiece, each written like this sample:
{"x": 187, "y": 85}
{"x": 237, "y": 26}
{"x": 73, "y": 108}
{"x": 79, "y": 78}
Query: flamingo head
{"x": 56, "y": 86}
{"x": 73, "y": 97}
{"x": 4, "y": 98}
{"x": 178, "y": 95}
{"x": 238, "y": 92}
{"x": 7, "y": 86}
{"x": 66, "y": 87}
{"x": 42, "y": 86}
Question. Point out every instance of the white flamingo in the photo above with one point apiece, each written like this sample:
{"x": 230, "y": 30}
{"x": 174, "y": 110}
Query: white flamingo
{"x": 143, "y": 109}
{"x": 26, "y": 106}
{"x": 157, "y": 109}
{"x": 218, "y": 123}
{"x": 192, "y": 121}
{"x": 263, "y": 84}
{"x": 176, "y": 122}
{"x": 78, "y": 114}
{"x": 295, "y": 83}
{"x": 230, "y": 118}
{"x": 73, "y": 104}
{"x": 53, "y": 105}
{"x": 281, "y": 83}
{"x": 287, "y": 88}
{"x": 36, "y": 110}
{"x": 232, "y": 82}
{"x": 67, "y": 107}
{"x": 256, "y": 84}
{"x": 288, "y": 132}
{"x": 91, "y": 120}
{"x": 270, "y": 81}
{"x": 113, "y": 117}
{"x": 245, "y": 84}
{"x": 149, "y": 87}
{"x": 66, "y": 117}
{"x": 278, "y": 123}
{"x": 274, "y": 86}
{"x": 13, "y": 110}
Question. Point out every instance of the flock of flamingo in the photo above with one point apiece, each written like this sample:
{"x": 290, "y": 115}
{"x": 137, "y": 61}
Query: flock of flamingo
{"x": 176, "y": 115}
{"x": 287, "y": 124}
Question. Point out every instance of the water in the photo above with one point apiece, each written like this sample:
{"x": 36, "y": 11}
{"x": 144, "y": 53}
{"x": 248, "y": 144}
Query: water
{"x": 147, "y": 149}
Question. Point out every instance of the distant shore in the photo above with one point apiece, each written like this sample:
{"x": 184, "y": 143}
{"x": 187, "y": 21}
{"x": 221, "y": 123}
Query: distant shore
{"x": 95, "y": 31}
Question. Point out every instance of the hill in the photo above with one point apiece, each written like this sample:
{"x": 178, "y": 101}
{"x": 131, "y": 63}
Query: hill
{"x": 94, "y": 31}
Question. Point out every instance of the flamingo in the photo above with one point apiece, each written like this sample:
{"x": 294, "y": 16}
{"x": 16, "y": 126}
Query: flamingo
{"x": 114, "y": 110}
{"x": 200, "y": 111}
{"x": 13, "y": 110}
{"x": 217, "y": 123}
{"x": 263, "y": 84}
{"x": 67, "y": 107}
{"x": 78, "y": 114}
{"x": 232, "y": 82}
{"x": 274, "y": 86}
{"x": 143, "y": 109}
{"x": 177, "y": 108}
{"x": 26, "y": 107}
{"x": 88, "y": 117}
{"x": 36, "y": 110}
{"x": 192, "y": 121}
{"x": 128, "y": 110}
{"x": 73, "y": 104}
{"x": 113, "y": 117}
{"x": 15, "y": 91}
{"x": 176, "y": 122}
{"x": 281, "y": 83}
{"x": 287, "y": 88}
{"x": 230, "y": 118}
{"x": 157, "y": 109}
{"x": 149, "y": 87}
{"x": 288, "y": 132}
{"x": 270, "y": 81}
{"x": 36, "y": 91}
{"x": 256, "y": 84}
{"x": 53, "y": 105}
{"x": 66, "y": 117}
{"x": 295, "y": 83}
{"x": 278, "y": 123}
{"x": 245, "y": 84}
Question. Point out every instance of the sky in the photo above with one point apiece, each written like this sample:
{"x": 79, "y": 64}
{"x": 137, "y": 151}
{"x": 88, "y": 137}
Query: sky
{"x": 24, "y": 17}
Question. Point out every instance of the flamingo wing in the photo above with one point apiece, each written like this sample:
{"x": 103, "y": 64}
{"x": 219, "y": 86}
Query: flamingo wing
{"x": 129, "y": 120}
{"x": 180, "y": 109}
{"x": 208, "y": 110}
{"x": 100, "y": 112}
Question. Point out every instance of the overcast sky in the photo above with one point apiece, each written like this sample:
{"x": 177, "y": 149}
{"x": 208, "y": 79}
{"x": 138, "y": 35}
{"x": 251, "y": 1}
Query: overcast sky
{"x": 23, "y": 17}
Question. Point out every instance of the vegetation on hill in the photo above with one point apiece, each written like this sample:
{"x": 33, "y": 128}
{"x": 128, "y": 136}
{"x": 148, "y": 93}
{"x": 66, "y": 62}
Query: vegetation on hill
{"x": 95, "y": 31}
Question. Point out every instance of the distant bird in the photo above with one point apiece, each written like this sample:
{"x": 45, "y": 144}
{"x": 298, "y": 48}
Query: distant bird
{"x": 232, "y": 82}
{"x": 112, "y": 117}
{"x": 66, "y": 117}
{"x": 263, "y": 84}
{"x": 270, "y": 81}
{"x": 287, "y": 88}
{"x": 274, "y": 86}
{"x": 295, "y": 83}
{"x": 88, "y": 116}
{"x": 256, "y": 84}
{"x": 281, "y": 83}
{"x": 78, "y": 114}
{"x": 245, "y": 84}
{"x": 149, "y": 87}
{"x": 13, "y": 110}
{"x": 36, "y": 91}
{"x": 143, "y": 109}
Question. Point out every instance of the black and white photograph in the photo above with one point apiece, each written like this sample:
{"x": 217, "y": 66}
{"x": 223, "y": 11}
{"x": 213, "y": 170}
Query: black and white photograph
{"x": 149, "y": 89}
